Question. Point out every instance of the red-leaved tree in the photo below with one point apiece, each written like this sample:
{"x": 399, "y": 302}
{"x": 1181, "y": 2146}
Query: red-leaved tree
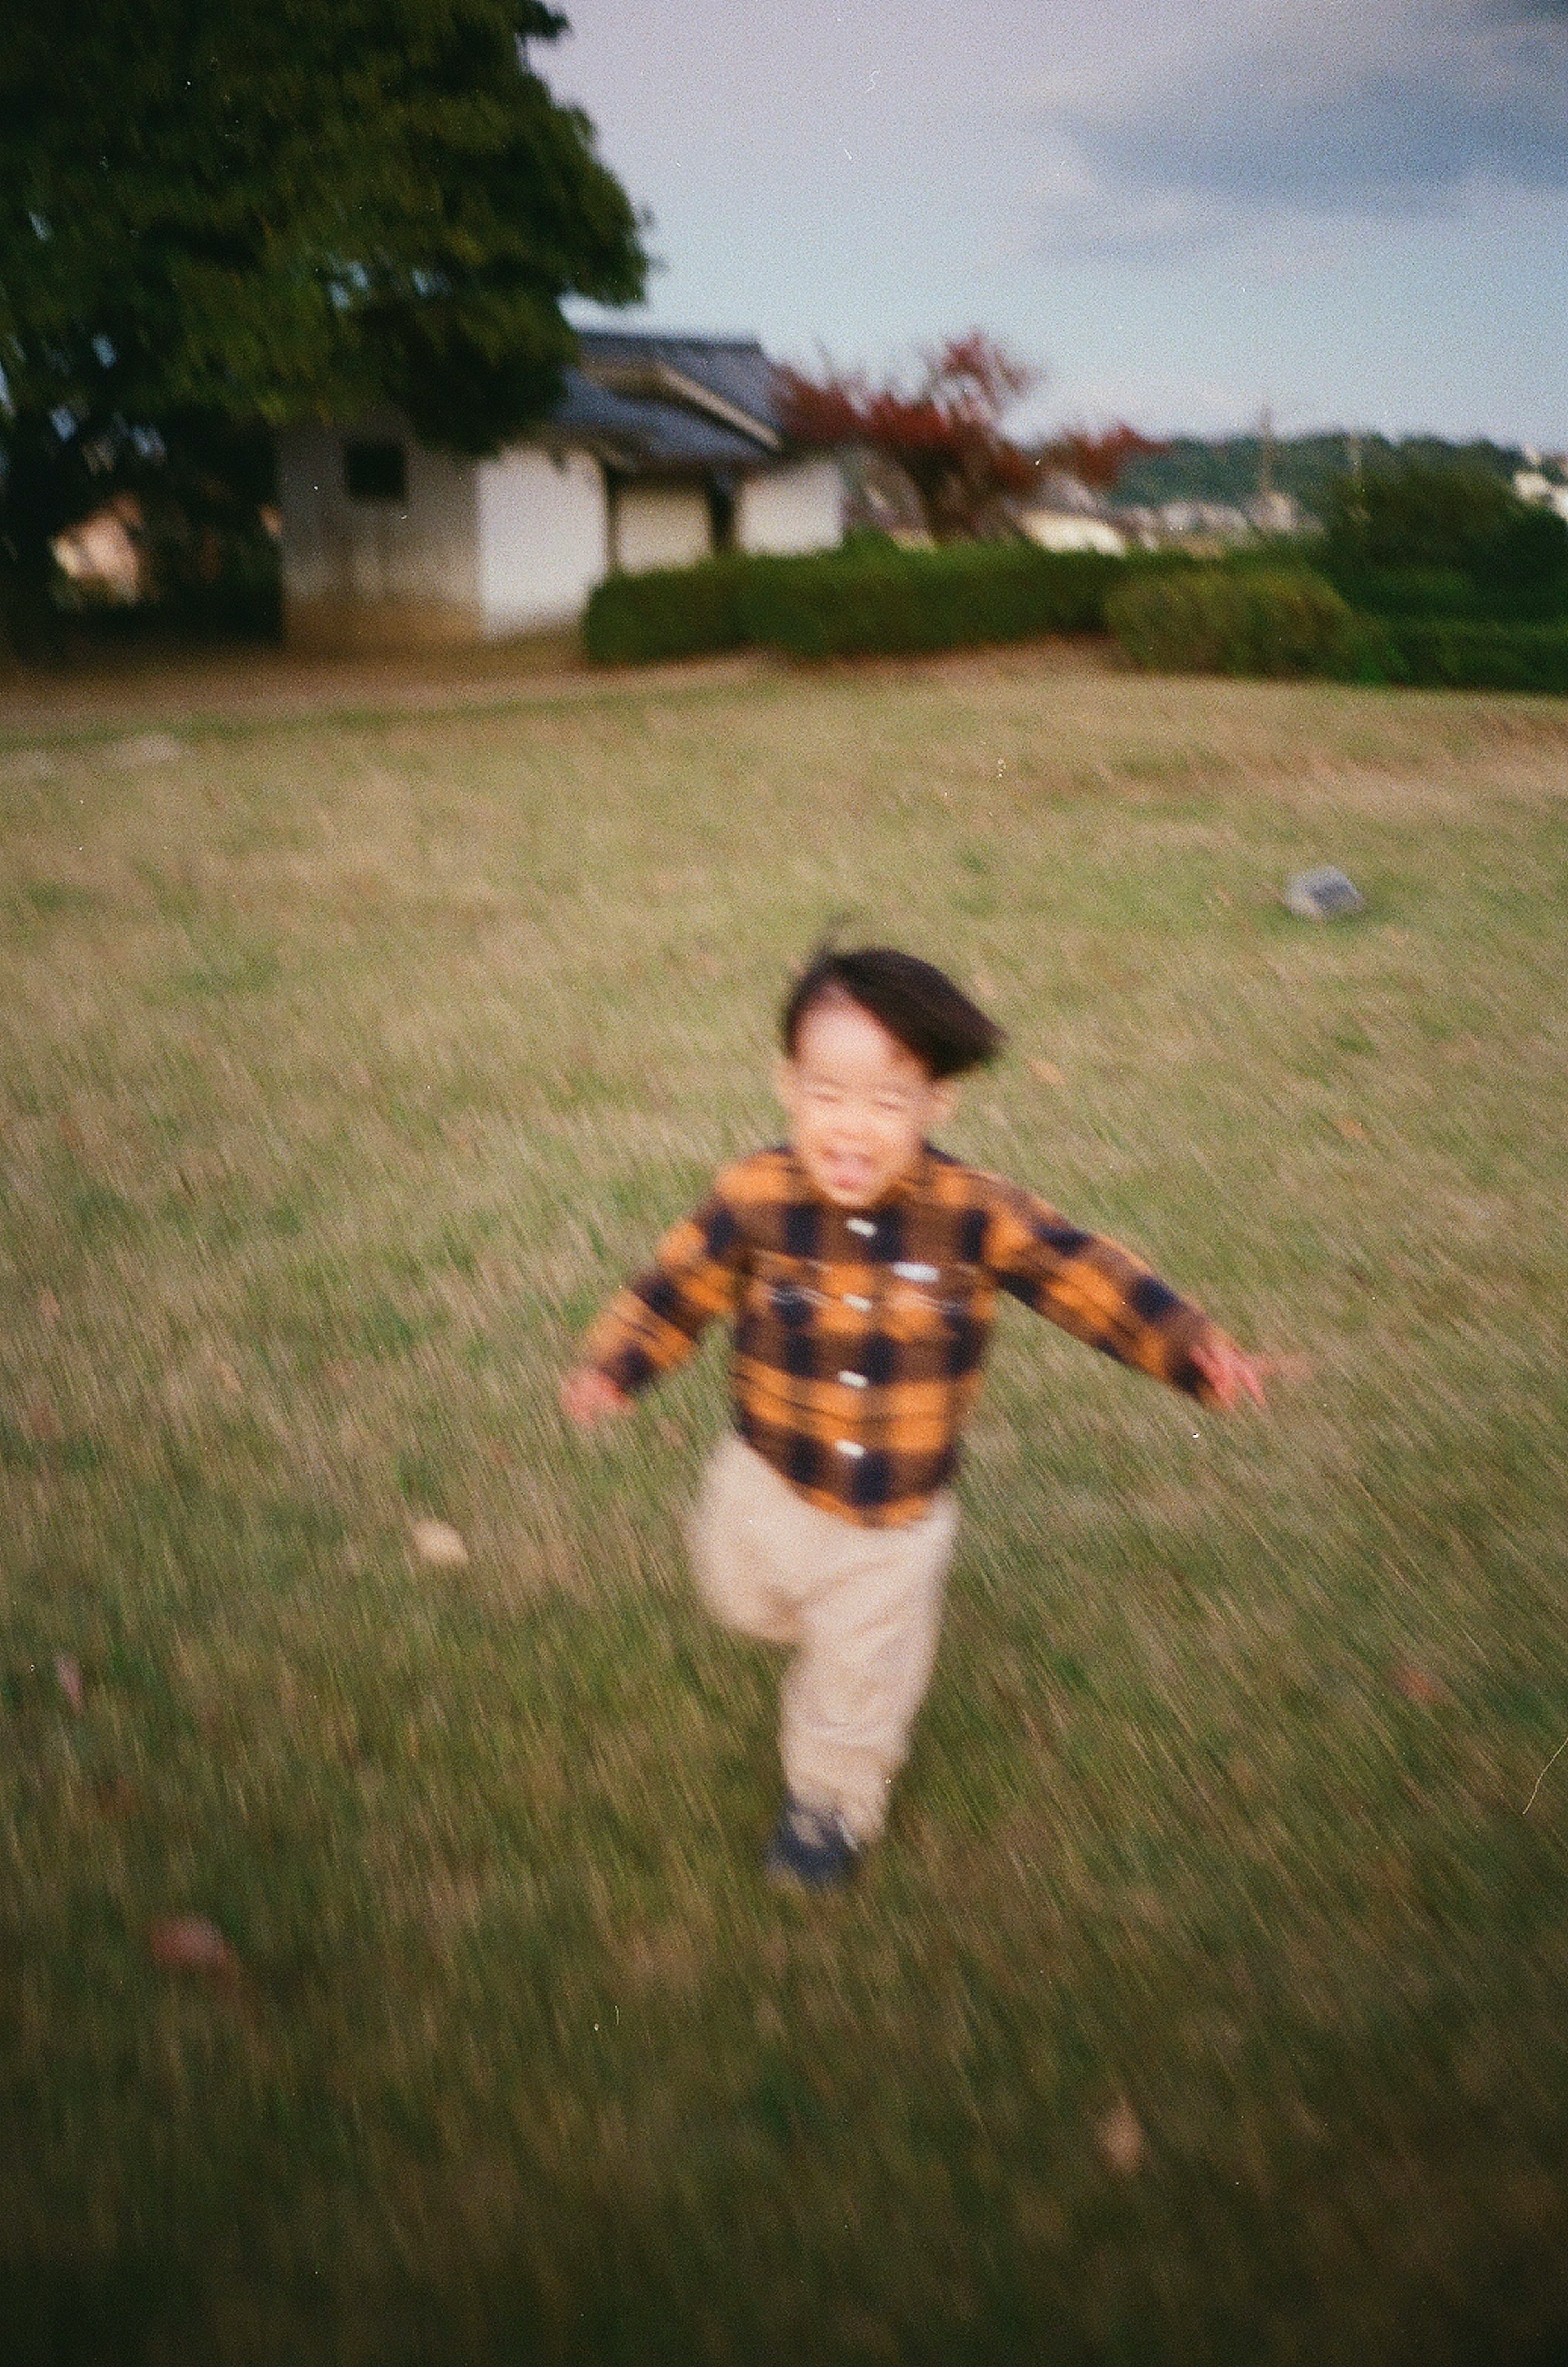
{"x": 946, "y": 432}
{"x": 1098, "y": 460}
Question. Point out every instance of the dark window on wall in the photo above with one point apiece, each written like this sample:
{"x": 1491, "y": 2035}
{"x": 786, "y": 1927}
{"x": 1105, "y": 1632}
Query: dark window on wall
{"x": 721, "y": 514}
{"x": 375, "y": 471}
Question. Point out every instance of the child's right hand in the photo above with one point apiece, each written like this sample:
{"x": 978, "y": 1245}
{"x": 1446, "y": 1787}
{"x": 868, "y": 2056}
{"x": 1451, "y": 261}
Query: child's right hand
{"x": 588, "y": 1397}
{"x": 1228, "y": 1370}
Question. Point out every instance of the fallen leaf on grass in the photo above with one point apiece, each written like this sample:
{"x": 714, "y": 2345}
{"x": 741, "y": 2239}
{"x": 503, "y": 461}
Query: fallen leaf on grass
{"x": 1352, "y": 1129}
{"x": 189, "y": 1944}
{"x": 68, "y": 1677}
{"x": 1120, "y": 2139}
{"x": 1047, "y": 1072}
{"x": 439, "y": 1541}
{"x": 1418, "y": 1684}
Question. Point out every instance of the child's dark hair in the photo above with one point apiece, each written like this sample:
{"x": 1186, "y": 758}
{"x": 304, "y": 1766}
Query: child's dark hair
{"x": 915, "y": 1001}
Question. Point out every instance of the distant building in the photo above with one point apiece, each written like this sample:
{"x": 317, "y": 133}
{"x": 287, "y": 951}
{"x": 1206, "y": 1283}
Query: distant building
{"x": 103, "y": 555}
{"x": 661, "y": 451}
{"x": 881, "y": 497}
{"x": 1206, "y": 530}
{"x": 1277, "y": 512}
{"x": 1064, "y": 515}
{"x": 1533, "y": 484}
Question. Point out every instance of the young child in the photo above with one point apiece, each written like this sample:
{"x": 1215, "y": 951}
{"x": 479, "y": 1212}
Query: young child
{"x": 860, "y": 1267}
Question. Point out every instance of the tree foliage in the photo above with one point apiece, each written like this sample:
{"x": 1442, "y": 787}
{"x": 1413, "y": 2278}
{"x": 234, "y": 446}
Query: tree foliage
{"x": 1100, "y": 458}
{"x": 259, "y": 209}
{"x": 945, "y": 431}
{"x": 1459, "y": 522}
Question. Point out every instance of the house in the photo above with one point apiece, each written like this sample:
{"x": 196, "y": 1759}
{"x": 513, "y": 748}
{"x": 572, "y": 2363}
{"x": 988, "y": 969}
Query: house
{"x": 103, "y": 556}
{"x": 661, "y": 451}
{"x": 1202, "y": 529}
{"x": 1063, "y": 515}
{"x": 1533, "y": 483}
{"x": 881, "y": 497}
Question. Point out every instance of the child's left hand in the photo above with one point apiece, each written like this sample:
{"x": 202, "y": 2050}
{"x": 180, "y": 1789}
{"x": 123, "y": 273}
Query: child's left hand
{"x": 1227, "y": 1372}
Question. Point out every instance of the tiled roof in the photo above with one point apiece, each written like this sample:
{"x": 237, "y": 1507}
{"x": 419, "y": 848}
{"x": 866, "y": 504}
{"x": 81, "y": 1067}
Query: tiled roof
{"x": 652, "y": 401}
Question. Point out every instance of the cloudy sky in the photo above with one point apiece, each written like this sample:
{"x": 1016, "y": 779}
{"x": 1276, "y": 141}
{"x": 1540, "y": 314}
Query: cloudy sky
{"x": 1357, "y": 213}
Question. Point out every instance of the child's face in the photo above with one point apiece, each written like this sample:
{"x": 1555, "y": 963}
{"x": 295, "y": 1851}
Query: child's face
{"x": 860, "y": 1104}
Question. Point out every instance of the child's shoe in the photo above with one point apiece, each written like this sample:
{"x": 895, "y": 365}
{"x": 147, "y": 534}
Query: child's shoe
{"x": 816, "y": 1851}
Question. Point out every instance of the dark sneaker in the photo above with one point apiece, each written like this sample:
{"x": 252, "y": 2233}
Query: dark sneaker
{"x": 815, "y": 1851}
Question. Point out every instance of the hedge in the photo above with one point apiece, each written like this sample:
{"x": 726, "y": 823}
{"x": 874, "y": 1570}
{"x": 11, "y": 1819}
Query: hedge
{"x": 870, "y": 597}
{"x": 1247, "y": 620}
{"x": 1452, "y": 655}
{"x": 1415, "y": 592}
{"x": 888, "y": 602}
{"x": 1250, "y": 615}
{"x": 671, "y": 612}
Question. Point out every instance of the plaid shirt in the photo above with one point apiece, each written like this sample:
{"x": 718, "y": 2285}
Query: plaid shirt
{"x": 859, "y": 1333}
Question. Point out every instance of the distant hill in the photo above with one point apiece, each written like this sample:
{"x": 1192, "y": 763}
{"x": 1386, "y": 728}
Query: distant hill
{"x": 1228, "y": 470}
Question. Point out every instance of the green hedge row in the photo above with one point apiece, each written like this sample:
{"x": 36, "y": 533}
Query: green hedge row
{"x": 1240, "y": 619}
{"x": 1289, "y": 621}
{"x": 1255, "y": 615}
{"x": 1454, "y": 654}
{"x": 670, "y": 612}
{"x": 868, "y": 598}
{"x": 889, "y": 601}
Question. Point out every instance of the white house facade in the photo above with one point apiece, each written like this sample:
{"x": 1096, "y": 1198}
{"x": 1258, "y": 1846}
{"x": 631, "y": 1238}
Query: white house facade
{"x": 661, "y": 451}
{"x": 1065, "y": 515}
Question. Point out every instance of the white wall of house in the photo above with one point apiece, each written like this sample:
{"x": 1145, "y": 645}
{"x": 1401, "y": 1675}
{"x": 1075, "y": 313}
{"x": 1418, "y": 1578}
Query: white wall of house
{"x": 798, "y": 507}
{"x": 543, "y": 525}
{"x": 481, "y": 548}
{"x": 1065, "y": 530}
{"x": 662, "y": 525}
{"x": 380, "y": 568}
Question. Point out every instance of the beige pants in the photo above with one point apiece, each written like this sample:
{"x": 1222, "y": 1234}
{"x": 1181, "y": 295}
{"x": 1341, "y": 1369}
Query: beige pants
{"x": 860, "y": 1608}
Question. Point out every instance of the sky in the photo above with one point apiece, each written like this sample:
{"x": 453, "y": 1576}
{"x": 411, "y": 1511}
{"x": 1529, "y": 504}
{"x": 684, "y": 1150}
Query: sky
{"x": 1355, "y": 214}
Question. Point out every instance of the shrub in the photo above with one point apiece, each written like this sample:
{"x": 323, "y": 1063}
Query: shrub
{"x": 1409, "y": 591}
{"x": 888, "y": 602}
{"x": 671, "y": 612}
{"x": 1256, "y": 620}
{"x": 1420, "y": 519}
{"x": 1451, "y": 654}
{"x": 870, "y": 597}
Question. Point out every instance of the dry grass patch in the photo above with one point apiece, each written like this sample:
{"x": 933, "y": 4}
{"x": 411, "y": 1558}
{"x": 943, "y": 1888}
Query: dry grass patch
{"x": 346, "y": 1066}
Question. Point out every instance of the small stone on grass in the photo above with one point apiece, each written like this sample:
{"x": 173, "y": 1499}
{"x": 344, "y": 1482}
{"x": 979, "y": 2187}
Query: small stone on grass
{"x": 1322, "y": 895}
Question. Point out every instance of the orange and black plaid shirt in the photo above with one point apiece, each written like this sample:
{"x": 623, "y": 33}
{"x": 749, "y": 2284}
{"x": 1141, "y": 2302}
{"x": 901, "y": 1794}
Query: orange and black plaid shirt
{"x": 859, "y": 1333}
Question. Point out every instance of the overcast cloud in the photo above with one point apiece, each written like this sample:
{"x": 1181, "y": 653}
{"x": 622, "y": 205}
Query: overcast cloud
{"x": 1328, "y": 111}
{"x": 1359, "y": 214}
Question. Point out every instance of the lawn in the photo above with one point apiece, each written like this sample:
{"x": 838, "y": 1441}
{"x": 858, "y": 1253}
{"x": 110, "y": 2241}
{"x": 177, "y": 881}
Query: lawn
{"x": 1208, "y": 2000}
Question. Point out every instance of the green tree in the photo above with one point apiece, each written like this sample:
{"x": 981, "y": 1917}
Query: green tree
{"x": 1429, "y": 522}
{"x": 255, "y": 211}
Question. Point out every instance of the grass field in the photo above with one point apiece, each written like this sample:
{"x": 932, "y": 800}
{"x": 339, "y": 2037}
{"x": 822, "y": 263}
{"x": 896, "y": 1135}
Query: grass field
{"x": 1209, "y": 1998}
